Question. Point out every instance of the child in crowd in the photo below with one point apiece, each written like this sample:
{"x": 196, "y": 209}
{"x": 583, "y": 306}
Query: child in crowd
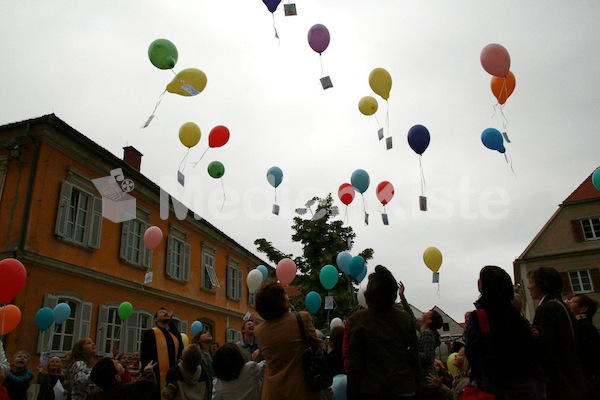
{"x": 48, "y": 377}
{"x": 19, "y": 377}
{"x": 107, "y": 374}
{"x": 134, "y": 369}
{"x": 234, "y": 379}
{"x": 187, "y": 380}
{"x": 125, "y": 361}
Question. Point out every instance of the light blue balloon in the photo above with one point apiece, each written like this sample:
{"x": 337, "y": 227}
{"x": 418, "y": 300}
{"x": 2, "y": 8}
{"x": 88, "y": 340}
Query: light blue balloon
{"x": 62, "y": 311}
{"x": 264, "y": 271}
{"x": 329, "y": 277}
{"x": 360, "y": 180}
{"x": 44, "y": 318}
{"x": 196, "y": 328}
{"x": 313, "y": 302}
{"x": 362, "y": 275}
{"x": 339, "y": 385}
{"x": 357, "y": 264}
{"x": 343, "y": 262}
{"x": 492, "y": 139}
{"x": 274, "y": 176}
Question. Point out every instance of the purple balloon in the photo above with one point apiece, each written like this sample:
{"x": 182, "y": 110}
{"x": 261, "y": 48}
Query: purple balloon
{"x": 318, "y": 38}
{"x": 418, "y": 138}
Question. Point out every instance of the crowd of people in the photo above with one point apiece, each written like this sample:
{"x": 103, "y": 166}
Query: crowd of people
{"x": 381, "y": 352}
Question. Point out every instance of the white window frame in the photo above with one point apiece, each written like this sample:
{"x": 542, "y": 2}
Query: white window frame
{"x": 233, "y": 335}
{"x": 57, "y": 340}
{"x": 140, "y": 321}
{"x": 92, "y": 223}
{"x": 235, "y": 280}
{"x": 209, "y": 273}
{"x": 581, "y": 281}
{"x": 178, "y": 255}
{"x": 132, "y": 241}
{"x": 591, "y": 228}
{"x": 110, "y": 331}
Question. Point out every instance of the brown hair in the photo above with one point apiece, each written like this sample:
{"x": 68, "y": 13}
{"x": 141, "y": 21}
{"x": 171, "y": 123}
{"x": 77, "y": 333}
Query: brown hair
{"x": 382, "y": 289}
{"x": 271, "y": 301}
{"x": 77, "y": 355}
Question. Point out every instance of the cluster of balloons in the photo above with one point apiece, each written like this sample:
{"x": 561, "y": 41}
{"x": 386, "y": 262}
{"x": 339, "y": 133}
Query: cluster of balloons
{"x": 380, "y": 82}
{"x": 46, "y": 316}
{"x": 360, "y": 182}
{"x": 353, "y": 266}
{"x": 495, "y": 60}
{"x": 13, "y": 275}
{"x": 256, "y": 277}
{"x": 218, "y": 137}
{"x": 286, "y": 271}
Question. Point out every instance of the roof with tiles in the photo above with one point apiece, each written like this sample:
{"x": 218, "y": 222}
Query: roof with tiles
{"x": 585, "y": 191}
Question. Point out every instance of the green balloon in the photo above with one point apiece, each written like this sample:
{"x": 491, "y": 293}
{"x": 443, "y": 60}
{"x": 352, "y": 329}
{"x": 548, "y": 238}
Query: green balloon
{"x": 162, "y": 54}
{"x": 125, "y": 310}
{"x": 216, "y": 169}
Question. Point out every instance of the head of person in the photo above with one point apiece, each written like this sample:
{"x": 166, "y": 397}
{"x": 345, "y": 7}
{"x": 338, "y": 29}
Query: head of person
{"x": 136, "y": 357}
{"x": 495, "y": 286}
{"x": 271, "y": 301}
{"x": 214, "y": 346}
{"x": 431, "y": 319}
{"x": 162, "y": 317}
{"x": 440, "y": 368}
{"x": 583, "y": 304}
{"x": 84, "y": 349}
{"x": 54, "y": 366}
{"x": 19, "y": 361}
{"x": 382, "y": 289}
{"x": 105, "y": 374}
{"x": 124, "y": 359}
{"x": 248, "y": 328}
{"x": 191, "y": 357}
{"x": 228, "y": 362}
{"x": 545, "y": 281}
{"x": 336, "y": 337}
{"x": 203, "y": 339}
{"x": 461, "y": 362}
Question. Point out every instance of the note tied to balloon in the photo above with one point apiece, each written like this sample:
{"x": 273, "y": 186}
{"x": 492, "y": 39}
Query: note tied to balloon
{"x": 289, "y": 9}
{"x": 436, "y": 277}
{"x": 366, "y": 219}
{"x": 326, "y": 82}
{"x": 385, "y": 219}
{"x": 423, "y": 203}
{"x": 388, "y": 143}
{"x": 148, "y": 277}
{"x": 380, "y": 133}
{"x": 275, "y": 209}
{"x": 180, "y": 178}
{"x": 328, "y": 302}
{"x": 190, "y": 89}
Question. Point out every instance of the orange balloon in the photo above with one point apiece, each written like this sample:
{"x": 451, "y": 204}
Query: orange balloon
{"x": 10, "y": 316}
{"x": 502, "y": 88}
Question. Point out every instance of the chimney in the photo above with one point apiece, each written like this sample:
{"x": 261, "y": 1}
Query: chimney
{"x": 132, "y": 157}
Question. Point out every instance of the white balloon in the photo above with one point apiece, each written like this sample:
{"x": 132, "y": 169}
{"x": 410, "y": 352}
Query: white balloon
{"x": 254, "y": 280}
{"x": 360, "y": 295}
{"x": 336, "y": 322}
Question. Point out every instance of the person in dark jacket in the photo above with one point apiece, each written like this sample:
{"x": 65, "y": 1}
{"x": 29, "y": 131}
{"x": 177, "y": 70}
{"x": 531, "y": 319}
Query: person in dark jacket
{"x": 19, "y": 378}
{"x": 48, "y": 378}
{"x": 334, "y": 357}
{"x": 106, "y": 374}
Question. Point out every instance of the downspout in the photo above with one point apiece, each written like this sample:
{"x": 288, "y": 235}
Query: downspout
{"x": 36, "y": 152}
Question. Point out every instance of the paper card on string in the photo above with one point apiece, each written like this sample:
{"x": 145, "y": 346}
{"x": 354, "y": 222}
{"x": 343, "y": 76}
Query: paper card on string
{"x": 180, "y": 178}
{"x": 289, "y": 9}
{"x": 326, "y": 82}
{"x": 423, "y": 203}
{"x": 384, "y": 218}
{"x": 190, "y": 89}
{"x": 388, "y": 143}
{"x": 275, "y": 209}
{"x": 44, "y": 360}
{"x": 148, "y": 122}
{"x": 436, "y": 277}
{"x": 328, "y": 302}
{"x": 380, "y": 133}
{"x": 506, "y": 137}
{"x": 247, "y": 316}
{"x": 148, "y": 277}
{"x": 366, "y": 219}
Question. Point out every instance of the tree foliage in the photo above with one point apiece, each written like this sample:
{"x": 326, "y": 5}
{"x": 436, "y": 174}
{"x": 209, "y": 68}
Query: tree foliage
{"x": 322, "y": 238}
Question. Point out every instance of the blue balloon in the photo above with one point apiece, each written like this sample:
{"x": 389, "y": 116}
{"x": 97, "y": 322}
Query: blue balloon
{"x": 340, "y": 382}
{"x": 44, "y": 318}
{"x": 272, "y": 4}
{"x": 596, "y": 178}
{"x": 418, "y": 138}
{"x": 362, "y": 275}
{"x": 343, "y": 262}
{"x": 196, "y": 328}
{"x": 360, "y": 180}
{"x": 264, "y": 271}
{"x": 313, "y": 302}
{"x": 274, "y": 176}
{"x": 62, "y": 311}
{"x": 492, "y": 139}
{"x": 357, "y": 264}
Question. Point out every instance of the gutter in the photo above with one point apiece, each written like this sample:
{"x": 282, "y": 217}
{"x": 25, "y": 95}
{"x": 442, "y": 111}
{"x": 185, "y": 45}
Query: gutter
{"x": 34, "y": 162}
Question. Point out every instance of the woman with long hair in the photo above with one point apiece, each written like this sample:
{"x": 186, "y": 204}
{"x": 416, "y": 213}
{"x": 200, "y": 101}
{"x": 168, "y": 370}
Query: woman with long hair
{"x": 48, "y": 377}
{"x": 82, "y": 361}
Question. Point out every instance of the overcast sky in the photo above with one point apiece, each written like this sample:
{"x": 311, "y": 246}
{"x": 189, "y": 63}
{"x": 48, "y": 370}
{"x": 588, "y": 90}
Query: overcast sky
{"x": 86, "y": 61}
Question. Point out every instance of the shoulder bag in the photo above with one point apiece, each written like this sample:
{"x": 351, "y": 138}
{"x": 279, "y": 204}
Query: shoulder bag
{"x": 317, "y": 374}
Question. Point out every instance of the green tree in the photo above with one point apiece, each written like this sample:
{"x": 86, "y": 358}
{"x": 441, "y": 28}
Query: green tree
{"x": 322, "y": 238}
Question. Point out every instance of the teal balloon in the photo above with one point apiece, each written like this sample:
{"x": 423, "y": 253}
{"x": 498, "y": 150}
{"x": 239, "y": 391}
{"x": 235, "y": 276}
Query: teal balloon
{"x": 313, "y": 302}
{"x": 216, "y": 169}
{"x": 274, "y": 176}
{"x": 492, "y": 139}
{"x": 360, "y": 180}
{"x": 329, "y": 277}
{"x": 362, "y": 275}
{"x": 162, "y": 54}
{"x": 343, "y": 262}
{"x": 596, "y": 178}
{"x": 62, "y": 311}
{"x": 196, "y": 328}
{"x": 44, "y": 318}
{"x": 357, "y": 264}
{"x": 125, "y": 310}
{"x": 264, "y": 271}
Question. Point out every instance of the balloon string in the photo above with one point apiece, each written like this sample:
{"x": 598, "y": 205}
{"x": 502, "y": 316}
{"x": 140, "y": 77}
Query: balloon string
{"x": 387, "y": 117}
{"x": 321, "y": 61}
{"x": 202, "y": 156}
{"x": 423, "y": 185}
{"x": 377, "y": 119}
{"x": 224, "y": 195}
{"x": 154, "y": 111}
{"x": 509, "y": 162}
{"x": 504, "y": 122}
{"x": 346, "y": 215}
{"x": 184, "y": 157}
{"x": 364, "y": 208}
{"x": 274, "y": 28}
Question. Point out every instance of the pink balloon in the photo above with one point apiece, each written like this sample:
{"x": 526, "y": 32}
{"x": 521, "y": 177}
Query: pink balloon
{"x": 318, "y": 38}
{"x": 12, "y": 279}
{"x": 152, "y": 237}
{"x": 286, "y": 271}
{"x": 495, "y": 60}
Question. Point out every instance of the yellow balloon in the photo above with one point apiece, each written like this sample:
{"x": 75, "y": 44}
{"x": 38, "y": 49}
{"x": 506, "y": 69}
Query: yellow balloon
{"x": 185, "y": 339}
{"x": 188, "y": 82}
{"x": 432, "y": 258}
{"x": 453, "y": 369}
{"x": 368, "y": 105}
{"x": 189, "y": 134}
{"x": 381, "y": 82}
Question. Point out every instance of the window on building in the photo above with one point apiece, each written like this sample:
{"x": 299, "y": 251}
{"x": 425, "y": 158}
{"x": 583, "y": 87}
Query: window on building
{"x": 79, "y": 217}
{"x": 58, "y": 339}
{"x": 182, "y": 326}
{"x": 233, "y": 335}
{"x": 178, "y": 255}
{"x": 133, "y": 250}
{"x": 581, "y": 281}
{"x": 113, "y": 332}
{"x": 591, "y": 228}
{"x": 234, "y": 281}
{"x": 209, "y": 275}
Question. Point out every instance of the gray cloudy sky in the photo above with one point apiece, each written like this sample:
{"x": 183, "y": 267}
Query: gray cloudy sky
{"x": 86, "y": 61}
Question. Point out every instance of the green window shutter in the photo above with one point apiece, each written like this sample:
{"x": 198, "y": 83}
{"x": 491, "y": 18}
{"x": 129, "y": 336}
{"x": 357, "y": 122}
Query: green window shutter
{"x": 240, "y": 284}
{"x": 63, "y": 208}
{"x": 170, "y": 256}
{"x": 95, "y": 225}
{"x": 43, "y": 344}
{"x": 230, "y": 282}
{"x": 125, "y": 227}
{"x": 187, "y": 249}
{"x": 146, "y": 254}
{"x": 101, "y": 331}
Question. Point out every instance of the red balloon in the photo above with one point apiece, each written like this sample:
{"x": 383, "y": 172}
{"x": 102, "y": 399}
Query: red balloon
{"x": 218, "y": 136}
{"x": 12, "y": 279}
{"x": 346, "y": 193}
{"x": 385, "y": 192}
